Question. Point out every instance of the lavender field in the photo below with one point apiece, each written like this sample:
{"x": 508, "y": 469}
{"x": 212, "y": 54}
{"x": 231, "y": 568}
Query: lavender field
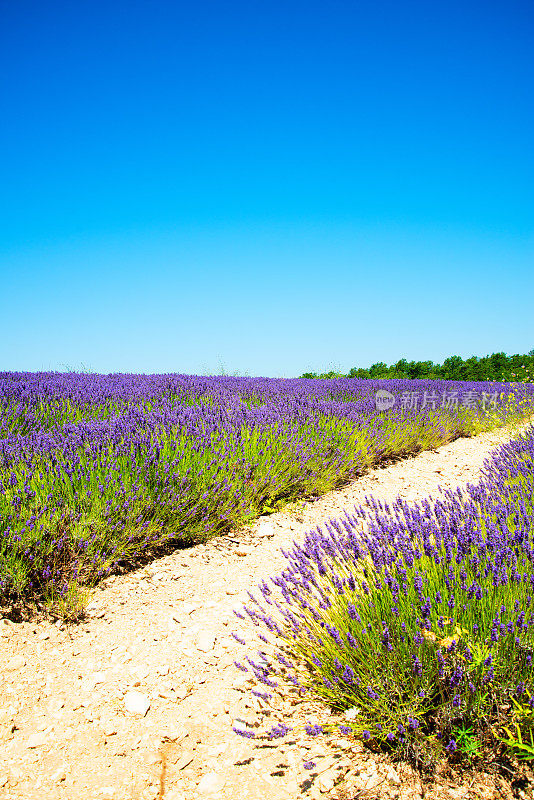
{"x": 99, "y": 470}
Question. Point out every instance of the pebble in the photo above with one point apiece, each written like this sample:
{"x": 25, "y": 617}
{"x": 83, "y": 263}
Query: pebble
{"x": 265, "y": 531}
{"x": 140, "y": 672}
{"x": 55, "y": 705}
{"x": 167, "y": 694}
{"x": 94, "y": 679}
{"x": 326, "y": 781}
{"x": 17, "y": 662}
{"x": 36, "y": 740}
{"x": 136, "y": 703}
{"x": 206, "y": 642}
{"x": 15, "y": 774}
{"x": 110, "y": 728}
{"x": 211, "y": 783}
{"x": 185, "y": 759}
{"x": 393, "y": 776}
{"x": 372, "y": 781}
{"x": 240, "y": 681}
{"x": 175, "y": 794}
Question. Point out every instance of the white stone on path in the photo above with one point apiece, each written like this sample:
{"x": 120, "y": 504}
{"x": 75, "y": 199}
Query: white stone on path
{"x": 206, "y": 642}
{"x": 326, "y": 781}
{"x": 96, "y": 678}
{"x": 140, "y": 672}
{"x": 109, "y": 727}
{"x": 17, "y": 662}
{"x": 36, "y": 740}
{"x": 136, "y": 703}
{"x": 211, "y": 783}
{"x": 175, "y": 794}
{"x": 184, "y": 760}
{"x": 393, "y": 776}
{"x": 240, "y": 681}
{"x": 266, "y": 527}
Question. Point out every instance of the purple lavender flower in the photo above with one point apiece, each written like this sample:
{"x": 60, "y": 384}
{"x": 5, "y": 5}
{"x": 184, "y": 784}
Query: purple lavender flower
{"x": 278, "y": 731}
{"x": 244, "y": 733}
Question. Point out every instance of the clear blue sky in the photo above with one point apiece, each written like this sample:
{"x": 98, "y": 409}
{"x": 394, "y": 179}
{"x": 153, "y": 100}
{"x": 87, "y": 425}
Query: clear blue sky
{"x": 272, "y": 187}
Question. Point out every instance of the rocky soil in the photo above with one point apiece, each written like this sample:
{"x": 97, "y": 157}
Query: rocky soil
{"x": 138, "y": 701}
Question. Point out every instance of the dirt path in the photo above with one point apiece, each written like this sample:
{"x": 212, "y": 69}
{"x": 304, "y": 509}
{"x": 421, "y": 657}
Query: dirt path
{"x": 159, "y": 640}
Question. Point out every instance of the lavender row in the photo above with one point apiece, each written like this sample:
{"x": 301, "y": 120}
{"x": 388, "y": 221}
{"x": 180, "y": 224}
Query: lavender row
{"x": 411, "y": 621}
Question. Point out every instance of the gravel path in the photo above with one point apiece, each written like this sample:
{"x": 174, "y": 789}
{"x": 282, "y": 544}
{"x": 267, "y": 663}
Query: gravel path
{"x": 139, "y": 701}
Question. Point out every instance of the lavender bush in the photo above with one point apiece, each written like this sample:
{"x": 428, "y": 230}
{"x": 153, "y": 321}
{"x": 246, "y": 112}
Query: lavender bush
{"x": 96, "y": 470}
{"x": 414, "y": 620}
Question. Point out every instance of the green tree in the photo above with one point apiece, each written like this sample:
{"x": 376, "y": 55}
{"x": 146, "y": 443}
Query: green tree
{"x": 470, "y": 369}
{"x": 378, "y": 370}
{"x": 451, "y": 368}
{"x": 401, "y": 368}
{"x": 496, "y": 367}
{"x": 358, "y": 372}
{"x": 499, "y": 365}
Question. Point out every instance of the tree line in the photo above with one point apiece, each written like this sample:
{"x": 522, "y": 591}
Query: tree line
{"x": 494, "y": 367}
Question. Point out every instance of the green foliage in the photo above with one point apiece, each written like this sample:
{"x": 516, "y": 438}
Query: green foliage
{"x": 324, "y": 375}
{"x": 468, "y": 742}
{"x": 495, "y": 367}
{"x": 520, "y": 733}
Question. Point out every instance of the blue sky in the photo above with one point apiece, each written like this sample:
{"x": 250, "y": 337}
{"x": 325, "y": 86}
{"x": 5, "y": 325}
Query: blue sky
{"x": 266, "y": 188}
